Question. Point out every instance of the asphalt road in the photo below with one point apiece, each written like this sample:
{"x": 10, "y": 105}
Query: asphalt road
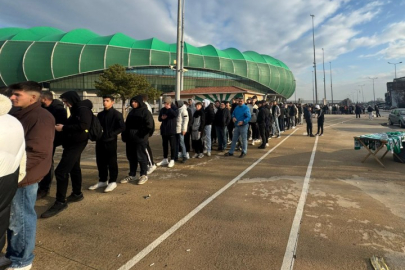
{"x": 302, "y": 196}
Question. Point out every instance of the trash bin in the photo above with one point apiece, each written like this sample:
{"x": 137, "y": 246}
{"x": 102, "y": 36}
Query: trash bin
{"x": 401, "y": 154}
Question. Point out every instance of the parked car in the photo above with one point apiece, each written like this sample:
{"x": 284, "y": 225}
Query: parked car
{"x": 397, "y": 116}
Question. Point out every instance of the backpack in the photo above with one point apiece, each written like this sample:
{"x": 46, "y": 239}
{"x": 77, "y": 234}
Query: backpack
{"x": 96, "y": 130}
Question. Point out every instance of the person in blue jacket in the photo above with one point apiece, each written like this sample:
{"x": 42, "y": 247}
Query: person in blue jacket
{"x": 241, "y": 117}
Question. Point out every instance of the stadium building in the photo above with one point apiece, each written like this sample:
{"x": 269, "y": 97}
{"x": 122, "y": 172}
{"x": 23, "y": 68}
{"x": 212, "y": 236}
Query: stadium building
{"x": 73, "y": 60}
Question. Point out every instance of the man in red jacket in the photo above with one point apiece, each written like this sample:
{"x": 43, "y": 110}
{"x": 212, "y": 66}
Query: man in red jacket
{"x": 39, "y": 130}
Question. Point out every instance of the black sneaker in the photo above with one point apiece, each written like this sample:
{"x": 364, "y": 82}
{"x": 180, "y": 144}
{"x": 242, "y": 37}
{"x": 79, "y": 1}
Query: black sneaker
{"x": 42, "y": 193}
{"x": 312, "y": 135}
{"x": 262, "y": 147}
{"x": 75, "y": 198}
{"x": 242, "y": 155}
{"x": 54, "y": 210}
{"x": 228, "y": 154}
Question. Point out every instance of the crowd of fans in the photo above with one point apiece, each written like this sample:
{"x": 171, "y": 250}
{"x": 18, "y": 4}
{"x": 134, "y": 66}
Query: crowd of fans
{"x": 37, "y": 123}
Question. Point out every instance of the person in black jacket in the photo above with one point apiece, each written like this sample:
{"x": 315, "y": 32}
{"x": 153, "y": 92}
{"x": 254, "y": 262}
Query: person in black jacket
{"x": 168, "y": 117}
{"x": 106, "y": 148}
{"x": 263, "y": 118}
{"x": 321, "y": 119}
{"x": 56, "y": 108}
{"x": 209, "y": 120}
{"x": 138, "y": 127}
{"x": 221, "y": 121}
{"x": 197, "y": 130}
{"x": 75, "y": 139}
{"x": 308, "y": 119}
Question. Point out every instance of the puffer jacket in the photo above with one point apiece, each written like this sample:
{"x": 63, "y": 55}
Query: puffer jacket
{"x": 182, "y": 119}
{"x": 168, "y": 126}
{"x": 139, "y": 124}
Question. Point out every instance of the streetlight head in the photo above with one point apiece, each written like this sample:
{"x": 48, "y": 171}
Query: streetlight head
{"x": 400, "y": 63}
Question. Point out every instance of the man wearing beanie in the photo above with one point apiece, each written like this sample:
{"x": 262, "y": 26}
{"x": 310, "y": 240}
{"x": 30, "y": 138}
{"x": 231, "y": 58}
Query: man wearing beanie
{"x": 168, "y": 117}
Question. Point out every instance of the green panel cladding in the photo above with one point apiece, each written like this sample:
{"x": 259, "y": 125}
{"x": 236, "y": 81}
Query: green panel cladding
{"x": 56, "y": 54}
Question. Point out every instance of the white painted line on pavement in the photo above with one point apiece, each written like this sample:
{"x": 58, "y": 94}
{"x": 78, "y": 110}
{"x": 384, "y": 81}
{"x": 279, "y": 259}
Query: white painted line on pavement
{"x": 180, "y": 223}
{"x": 289, "y": 256}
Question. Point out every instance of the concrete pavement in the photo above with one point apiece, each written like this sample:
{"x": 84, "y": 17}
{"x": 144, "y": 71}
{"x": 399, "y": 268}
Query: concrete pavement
{"x": 352, "y": 211}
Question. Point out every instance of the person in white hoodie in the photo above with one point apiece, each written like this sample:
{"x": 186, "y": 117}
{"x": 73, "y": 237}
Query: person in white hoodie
{"x": 181, "y": 130}
{"x": 12, "y": 165}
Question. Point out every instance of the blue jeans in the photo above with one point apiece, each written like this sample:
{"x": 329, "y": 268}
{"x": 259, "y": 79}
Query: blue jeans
{"x": 276, "y": 127}
{"x": 23, "y": 226}
{"x": 222, "y": 139}
{"x": 180, "y": 143}
{"x": 207, "y": 140}
{"x": 243, "y": 132}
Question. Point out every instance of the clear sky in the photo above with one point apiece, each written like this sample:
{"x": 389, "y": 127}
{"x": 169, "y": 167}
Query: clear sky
{"x": 359, "y": 37}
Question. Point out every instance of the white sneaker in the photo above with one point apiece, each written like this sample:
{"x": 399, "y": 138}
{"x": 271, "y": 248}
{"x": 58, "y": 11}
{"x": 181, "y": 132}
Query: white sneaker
{"x": 253, "y": 142}
{"x": 195, "y": 155}
{"x": 180, "y": 155}
{"x": 250, "y": 138}
{"x": 151, "y": 169}
{"x": 171, "y": 163}
{"x": 229, "y": 142}
{"x": 127, "y": 179}
{"x": 110, "y": 187}
{"x": 4, "y": 261}
{"x": 293, "y": 127}
{"x": 142, "y": 180}
{"x": 267, "y": 144}
{"x": 209, "y": 154}
{"x": 98, "y": 185}
{"x": 205, "y": 151}
{"x": 28, "y": 267}
{"x": 165, "y": 161}
{"x": 188, "y": 156}
{"x": 201, "y": 155}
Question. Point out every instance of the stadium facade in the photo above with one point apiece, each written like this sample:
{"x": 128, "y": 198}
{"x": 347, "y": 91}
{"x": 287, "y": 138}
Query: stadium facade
{"x": 74, "y": 60}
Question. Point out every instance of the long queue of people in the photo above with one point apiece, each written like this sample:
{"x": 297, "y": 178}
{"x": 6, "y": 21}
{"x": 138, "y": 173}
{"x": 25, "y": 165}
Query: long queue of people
{"x": 33, "y": 124}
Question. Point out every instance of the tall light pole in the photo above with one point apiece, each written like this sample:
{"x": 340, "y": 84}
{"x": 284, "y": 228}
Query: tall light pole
{"x": 313, "y": 88}
{"x": 374, "y": 78}
{"x": 331, "y": 89}
{"x": 324, "y": 79}
{"x": 295, "y": 91}
{"x": 182, "y": 49}
{"x": 395, "y": 64}
{"x": 179, "y": 72}
{"x": 313, "y": 41}
{"x": 362, "y": 93}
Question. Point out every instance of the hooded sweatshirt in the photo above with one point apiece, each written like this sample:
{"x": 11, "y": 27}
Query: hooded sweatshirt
{"x": 182, "y": 119}
{"x": 77, "y": 125}
{"x": 139, "y": 124}
{"x": 209, "y": 112}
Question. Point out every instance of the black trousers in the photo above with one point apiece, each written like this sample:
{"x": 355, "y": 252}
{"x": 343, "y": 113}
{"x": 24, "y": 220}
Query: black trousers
{"x": 8, "y": 188}
{"x": 357, "y": 114}
{"x": 231, "y": 126}
{"x": 106, "y": 159}
{"x": 263, "y": 134}
{"x": 198, "y": 146}
{"x": 309, "y": 126}
{"x": 320, "y": 127}
{"x": 69, "y": 165}
{"x": 151, "y": 162}
{"x": 136, "y": 153}
{"x": 46, "y": 182}
{"x": 166, "y": 139}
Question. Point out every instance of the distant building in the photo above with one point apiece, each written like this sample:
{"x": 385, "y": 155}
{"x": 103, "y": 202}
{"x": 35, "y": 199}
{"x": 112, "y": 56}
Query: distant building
{"x": 395, "y": 96}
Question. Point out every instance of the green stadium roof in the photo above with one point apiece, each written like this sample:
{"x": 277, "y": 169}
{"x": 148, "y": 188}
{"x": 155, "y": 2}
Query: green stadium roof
{"x": 46, "y": 53}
